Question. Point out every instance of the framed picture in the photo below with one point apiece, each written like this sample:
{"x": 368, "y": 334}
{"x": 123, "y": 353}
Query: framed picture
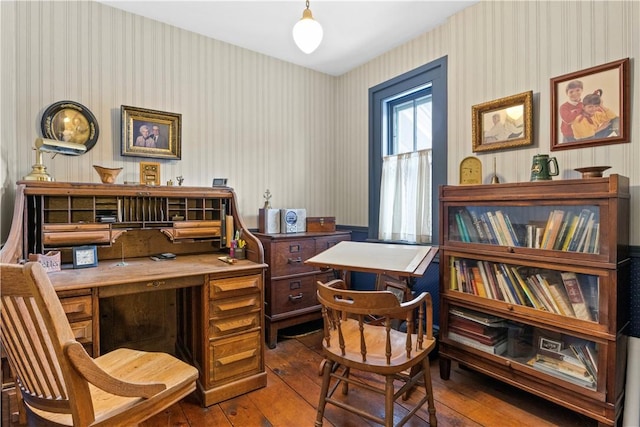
{"x": 590, "y": 107}
{"x": 71, "y": 122}
{"x": 150, "y": 133}
{"x": 503, "y": 123}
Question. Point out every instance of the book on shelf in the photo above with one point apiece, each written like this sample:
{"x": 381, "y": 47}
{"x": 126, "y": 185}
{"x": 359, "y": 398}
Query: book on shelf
{"x": 478, "y": 317}
{"x": 464, "y": 236}
{"x": 498, "y": 348}
{"x": 564, "y": 229}
{"x": 576, "y": 297}
{"x": 528, "y": 292}
{"x": 563, "y": 369}
{"x": 560, "y": 296}
{"x": 513, "y": 285}
{"x": 497, "y": 230}
{"x": 586, "y": 235}
{"x": 479, "y": 227}
{"x": 580, "y": 352}
{"x": 570, "y": 232}
{"x": 504, "y": 228}
{"x": 479, "y": 286}
{"x": 487, "y": 338}
{"x": 545, "y": 287}
{"x": 553, "y": 228}
{"x": 580, "y": 229}
{"x": 590, "y": 291}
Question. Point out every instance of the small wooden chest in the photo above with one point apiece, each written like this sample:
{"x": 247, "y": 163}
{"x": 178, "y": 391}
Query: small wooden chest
{"x": 319, "y": 224}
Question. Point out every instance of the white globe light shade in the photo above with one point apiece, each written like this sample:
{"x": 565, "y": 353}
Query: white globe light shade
{"x": 307, "y": 33}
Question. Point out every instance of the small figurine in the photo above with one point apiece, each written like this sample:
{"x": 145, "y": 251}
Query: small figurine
{"x": 267, "y": 196}
{"x": 180, "y": 179}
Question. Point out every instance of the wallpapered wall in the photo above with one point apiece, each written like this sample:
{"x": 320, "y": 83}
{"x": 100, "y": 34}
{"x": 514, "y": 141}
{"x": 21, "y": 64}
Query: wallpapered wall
{"x": 264, "y": 123}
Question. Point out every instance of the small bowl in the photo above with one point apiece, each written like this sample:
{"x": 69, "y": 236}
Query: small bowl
{"x": 107, "y": 175}
{"x": 592, "y": 171}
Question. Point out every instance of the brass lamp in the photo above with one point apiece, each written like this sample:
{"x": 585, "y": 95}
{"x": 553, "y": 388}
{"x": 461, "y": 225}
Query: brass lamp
{"x": 39, "y": 170}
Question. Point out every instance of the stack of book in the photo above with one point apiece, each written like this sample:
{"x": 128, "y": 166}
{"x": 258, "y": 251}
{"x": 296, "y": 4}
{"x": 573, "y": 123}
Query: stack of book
{"x": 478, "y": 330}
{"x": 576, "y": 364}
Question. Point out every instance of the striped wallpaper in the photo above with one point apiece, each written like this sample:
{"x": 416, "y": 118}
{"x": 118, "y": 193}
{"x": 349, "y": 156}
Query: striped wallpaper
{"x": 265, "y": 123}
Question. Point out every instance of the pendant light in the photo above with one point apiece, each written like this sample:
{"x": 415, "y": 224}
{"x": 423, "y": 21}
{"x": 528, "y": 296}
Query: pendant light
{"x": 307, "y": 33}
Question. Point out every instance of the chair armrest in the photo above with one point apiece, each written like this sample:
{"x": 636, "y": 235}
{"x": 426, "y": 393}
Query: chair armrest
{"x": 97, "y": 376}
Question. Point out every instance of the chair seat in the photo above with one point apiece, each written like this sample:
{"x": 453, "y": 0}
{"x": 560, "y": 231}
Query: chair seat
{"x": 137, "y": 367}
{"x": 375, "y": 337}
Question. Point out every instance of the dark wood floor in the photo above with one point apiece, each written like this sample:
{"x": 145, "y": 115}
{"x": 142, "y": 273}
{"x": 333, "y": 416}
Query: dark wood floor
{"x": 293, "y": 387}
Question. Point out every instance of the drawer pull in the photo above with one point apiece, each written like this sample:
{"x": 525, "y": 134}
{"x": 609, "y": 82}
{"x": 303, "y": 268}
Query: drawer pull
{"x": 295, "y": 298}
{"x": 294, "y": 260}
{"x": 237, "y": 305}
{"x": 224, "y": 361}
{"x": 239, "y": 324}
{"x": 76, "y": 308}
{"x": 155, "y": 284}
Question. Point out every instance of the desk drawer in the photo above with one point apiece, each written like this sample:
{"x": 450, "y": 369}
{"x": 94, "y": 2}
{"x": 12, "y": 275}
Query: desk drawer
{"x": 288, "y": 257}
{"x": 77, "y": 308}
{"x": 150, "y": 285}
{"x": 75, "y": 234}
{"x": 220, "y": 327}
{"x": 293, "y": 294}
{"x": 234, "y": 357}
{"x": 236, "y": 305}
{"x": 243, "y": 285}
{"x": 82, "y": 331}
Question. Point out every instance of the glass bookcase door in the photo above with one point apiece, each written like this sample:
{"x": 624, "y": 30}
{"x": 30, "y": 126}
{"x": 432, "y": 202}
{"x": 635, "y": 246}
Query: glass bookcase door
{"x": 568, "y": 228}
{"x": 563, "y": 356}
{"x": 561, "y": 292}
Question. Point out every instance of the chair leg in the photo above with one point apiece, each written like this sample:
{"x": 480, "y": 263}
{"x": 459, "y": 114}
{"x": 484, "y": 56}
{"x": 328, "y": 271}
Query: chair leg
{"x": 345, "y": 384}
{"x": 388, "y": 401}
{"x": 433, "y": 421}
{"x": 326, "y": 378}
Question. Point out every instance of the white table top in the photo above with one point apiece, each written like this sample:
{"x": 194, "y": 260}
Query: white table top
{"x": 404, "y": 260}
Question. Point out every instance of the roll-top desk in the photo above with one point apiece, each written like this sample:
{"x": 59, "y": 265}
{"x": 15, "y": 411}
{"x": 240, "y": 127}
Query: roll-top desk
{"x": 217, "y": 306}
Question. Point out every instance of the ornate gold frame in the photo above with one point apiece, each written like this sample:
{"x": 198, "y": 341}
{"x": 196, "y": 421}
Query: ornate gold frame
{"x": 515, "y": 132}
{"x": 170, "y": 125}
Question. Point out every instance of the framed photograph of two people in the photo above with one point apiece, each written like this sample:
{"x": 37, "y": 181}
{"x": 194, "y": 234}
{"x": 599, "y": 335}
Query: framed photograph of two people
{"x": 591, "y": 107}
{"x": 151, "y": 133}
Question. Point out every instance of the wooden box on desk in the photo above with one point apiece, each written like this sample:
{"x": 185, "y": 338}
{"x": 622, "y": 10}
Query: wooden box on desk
{"x": 321, "y": 223}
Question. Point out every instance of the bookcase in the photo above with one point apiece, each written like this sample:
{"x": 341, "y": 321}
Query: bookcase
{"x": 535, "y": 288}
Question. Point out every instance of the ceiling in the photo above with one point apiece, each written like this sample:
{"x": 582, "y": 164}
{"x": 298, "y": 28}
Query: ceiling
{"x": 354, "y": 31}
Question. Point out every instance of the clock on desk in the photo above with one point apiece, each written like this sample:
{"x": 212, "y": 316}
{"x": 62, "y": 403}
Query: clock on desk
{"x": 470, "y": 171}
{"x": 85, "y": 256}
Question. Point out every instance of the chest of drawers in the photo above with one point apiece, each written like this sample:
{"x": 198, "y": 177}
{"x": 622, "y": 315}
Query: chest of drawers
{"x": 290, "y": 288}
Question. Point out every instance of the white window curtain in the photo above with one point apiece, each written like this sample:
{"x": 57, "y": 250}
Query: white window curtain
{"x": 405, "y": 197}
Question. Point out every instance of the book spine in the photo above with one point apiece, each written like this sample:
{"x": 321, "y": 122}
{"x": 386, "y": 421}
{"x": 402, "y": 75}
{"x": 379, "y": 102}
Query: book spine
{"x": 575, "y": 295}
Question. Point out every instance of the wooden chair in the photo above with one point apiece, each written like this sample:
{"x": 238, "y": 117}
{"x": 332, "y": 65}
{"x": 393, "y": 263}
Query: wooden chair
{"x": 59, "y": 382}
{"x": 352, "y": 343}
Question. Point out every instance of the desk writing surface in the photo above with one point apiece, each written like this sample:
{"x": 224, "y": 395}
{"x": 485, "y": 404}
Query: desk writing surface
{"x": 109, "y": 272}
{"x": 406, "y": 260}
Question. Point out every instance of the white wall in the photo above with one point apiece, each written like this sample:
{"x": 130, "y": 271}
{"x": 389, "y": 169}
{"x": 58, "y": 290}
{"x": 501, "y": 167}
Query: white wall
{"x": 264, "y": 123}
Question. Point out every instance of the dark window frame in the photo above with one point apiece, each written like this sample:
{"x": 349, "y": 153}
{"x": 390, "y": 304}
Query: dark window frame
{"x": 436, "y": 73}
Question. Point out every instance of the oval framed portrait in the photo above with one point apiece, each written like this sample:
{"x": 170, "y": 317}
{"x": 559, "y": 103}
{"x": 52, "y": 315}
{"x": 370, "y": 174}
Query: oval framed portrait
{"x": 70, "y": 121}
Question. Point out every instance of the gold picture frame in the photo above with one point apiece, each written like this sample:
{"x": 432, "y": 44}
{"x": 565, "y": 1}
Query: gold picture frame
{"x": 150, "y": 173}
{"x": 605, "y": 90}
{"x": 151, "y": 133}
{"x": 503, "y": 123}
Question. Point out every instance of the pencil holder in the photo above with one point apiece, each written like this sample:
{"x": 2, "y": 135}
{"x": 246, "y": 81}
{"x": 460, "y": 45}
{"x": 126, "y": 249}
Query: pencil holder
{"x": 240, "y": 253}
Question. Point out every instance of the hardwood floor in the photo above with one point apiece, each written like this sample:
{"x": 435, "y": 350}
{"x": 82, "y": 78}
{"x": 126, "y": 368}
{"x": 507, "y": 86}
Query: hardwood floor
{"x": 291, "y": 398}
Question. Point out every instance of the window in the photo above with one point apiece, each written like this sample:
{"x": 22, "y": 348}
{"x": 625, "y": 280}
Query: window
{"x": 407, "y": 154}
